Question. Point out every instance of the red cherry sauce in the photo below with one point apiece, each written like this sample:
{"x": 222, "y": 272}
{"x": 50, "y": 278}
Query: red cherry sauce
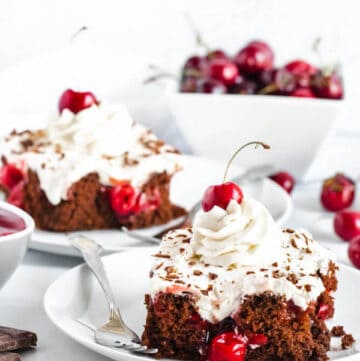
{"x": 10, "y": 223}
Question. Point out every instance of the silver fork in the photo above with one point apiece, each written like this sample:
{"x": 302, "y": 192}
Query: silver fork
{"x": 252, "y": 174}
{"x": 114, "y": 333}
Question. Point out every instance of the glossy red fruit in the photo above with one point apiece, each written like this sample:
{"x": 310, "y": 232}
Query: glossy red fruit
{"x": 228, "y": 346}
{"x": 195, "y": 62}
{"x": 223, "y": 70}
{"x": 16, "y": 194}
{"x": 76, "y": 101}
{"x": 337, "y": 193}
{"x": 10, "y": 176}
{"x": 245, "y": 87}
{"x": 284, "y": 180}
{"x": 123, "y": 199}
{"x": 211, "y": 86}
{"x": 303, "y": 93}
{"x": 303, "y": 71}
{"x": 256, "y": 57}
{"x": 328, "y": 86}
{"x": 216, "y": 54}
{"x": 257, "y": 339}
{"x": 354, "y": 251}
{"x": 347, "y": 224}
{"x": 323, "y": 312}
{"x": 221, "y": 195}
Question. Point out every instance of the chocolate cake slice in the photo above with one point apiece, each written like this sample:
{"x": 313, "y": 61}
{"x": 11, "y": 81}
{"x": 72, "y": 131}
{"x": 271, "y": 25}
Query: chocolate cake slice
{"x": 237, "y": 287}
{"x": 92, "y": 168}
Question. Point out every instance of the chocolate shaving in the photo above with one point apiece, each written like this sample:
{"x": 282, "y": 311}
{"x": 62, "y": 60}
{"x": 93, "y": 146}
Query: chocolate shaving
{"x": 159, "y": 255}
{"x": 213, "y": 276}
{"x": 307, "y": 288}
{"x": 197, "y": 273}
{"x": 204, "y": 292}
{"x": 13, "y": 339}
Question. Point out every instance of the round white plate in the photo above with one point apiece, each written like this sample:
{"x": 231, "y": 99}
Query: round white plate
{"x": 76, "y": 296}
{"x": 187, "y": 187}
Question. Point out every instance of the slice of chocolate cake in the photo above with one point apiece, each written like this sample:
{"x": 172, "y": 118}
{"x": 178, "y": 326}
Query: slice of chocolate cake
{"x": 92, "y": 168}
{"x": 237, "y": 287}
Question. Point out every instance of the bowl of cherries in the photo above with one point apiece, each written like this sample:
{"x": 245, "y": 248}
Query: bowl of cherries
{"x": 231, "y": 99}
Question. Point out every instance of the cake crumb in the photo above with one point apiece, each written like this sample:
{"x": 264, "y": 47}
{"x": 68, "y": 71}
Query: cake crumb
{"x": 347, "y": 341}
{"x": 337, "y": 331}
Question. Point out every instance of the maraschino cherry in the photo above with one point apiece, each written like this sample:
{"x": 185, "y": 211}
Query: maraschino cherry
{"x": 228, "y": 346}
{"x": 337, "y": 192}
{"x": 347, "y": 224}
{"x": 76, "y": 101}
{"x": 220, "y": 195}
{"x": 10, "y": 176}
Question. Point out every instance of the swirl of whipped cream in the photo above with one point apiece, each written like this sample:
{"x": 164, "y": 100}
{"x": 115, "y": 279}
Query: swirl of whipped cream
{"x": 243, "y": 234}
{"x": 97, "y": 130}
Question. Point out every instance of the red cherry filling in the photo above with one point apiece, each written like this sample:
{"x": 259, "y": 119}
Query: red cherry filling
{"x": 228, "y": 346}
{"x": 76, "y": 101}
{"x": 347, "y": 224}
{"x": 221, "y": 195}
{"x": 10, "y": 176}
{"x": 337, "y": 193}
{"x": 354, "y": 251}
{"x": 284, "y": 180}
{"x": 123, "y": 199}
{"x": 16, "y": 194}
{"x": 323, "y": 312}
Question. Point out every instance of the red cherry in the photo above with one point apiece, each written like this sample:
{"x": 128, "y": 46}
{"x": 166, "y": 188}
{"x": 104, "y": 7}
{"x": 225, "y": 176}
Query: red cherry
{"x": 347, "y": 224}
{"x": 256, "y": 57}
{"x": 337, "y": 193}
{"x": 76, "y": 101}
{"x": 323, "y": 312}
{"x": 16, "y": 194}
{"x": 303, "y": 93}
{"x": 328, "y": 86}
{"x": 354, "y": 251}
{"x": 123, "y": 199}
{"x": 284, "y": 180}
{"x": 303, "y": 71}
{"x": 257, "y": 339}
{"x": 223, "y": 70}
{"x": 195, "y": 62}
{"x": 10, "y": 176}
{"x": 221, "y": 195}
{"x": 212, "y": 86}
{"x": 216, "y": 54}
{"x": 228, "y": 346}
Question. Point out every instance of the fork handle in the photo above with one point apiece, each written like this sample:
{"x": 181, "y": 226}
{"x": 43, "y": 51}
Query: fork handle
{"x": 96, "y": 265}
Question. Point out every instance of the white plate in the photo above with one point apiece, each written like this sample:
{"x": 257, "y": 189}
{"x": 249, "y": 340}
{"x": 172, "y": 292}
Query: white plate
{"x": 77, "y": 296}
{"x": 187, "y": 188}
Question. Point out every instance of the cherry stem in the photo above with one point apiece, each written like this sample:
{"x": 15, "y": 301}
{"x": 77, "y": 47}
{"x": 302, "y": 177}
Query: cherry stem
{"x": 268, "y": 89}
{"x": 159, "y": 76}
{"x": 256, "y": 143}
{"x": 76, "y": 34}
{"x": 197, "y": 35}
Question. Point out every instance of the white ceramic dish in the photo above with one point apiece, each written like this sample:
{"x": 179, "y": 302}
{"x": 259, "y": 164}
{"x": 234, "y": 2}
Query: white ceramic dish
{"x": 14, "y": 246}
{"x": 187, "y": 188}
{"x": 77, "y": 296}
{"x": 294, "y": 127}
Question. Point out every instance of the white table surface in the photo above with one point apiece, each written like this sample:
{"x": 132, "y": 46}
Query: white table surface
{"x": 21, "y": 299}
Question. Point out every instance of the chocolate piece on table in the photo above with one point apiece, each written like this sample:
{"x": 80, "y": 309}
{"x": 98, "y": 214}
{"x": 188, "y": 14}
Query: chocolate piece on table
{"x": 9, "y": 356}
{"x": 13, "y": 339}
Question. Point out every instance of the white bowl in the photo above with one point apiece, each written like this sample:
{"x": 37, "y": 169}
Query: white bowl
{"x": 14, "y": 246}
{"x": 217, "y": 124}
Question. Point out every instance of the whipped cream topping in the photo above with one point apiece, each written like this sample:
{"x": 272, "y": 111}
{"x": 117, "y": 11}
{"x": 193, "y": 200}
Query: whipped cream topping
{"x": 102, "y": 139}
{"x": 242, "y": 234}
{"x": 231, "y": 254}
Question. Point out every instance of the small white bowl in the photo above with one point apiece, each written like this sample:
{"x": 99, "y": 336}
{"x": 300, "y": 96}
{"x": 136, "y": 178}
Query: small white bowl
{"x": 214, "y": 125}
{"x": 13, "y": 246}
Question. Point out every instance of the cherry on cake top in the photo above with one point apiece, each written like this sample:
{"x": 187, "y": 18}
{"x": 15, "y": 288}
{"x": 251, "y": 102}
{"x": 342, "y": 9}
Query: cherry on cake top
{"x": 76, "y": 101}
{"x": 221, "y": 194}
